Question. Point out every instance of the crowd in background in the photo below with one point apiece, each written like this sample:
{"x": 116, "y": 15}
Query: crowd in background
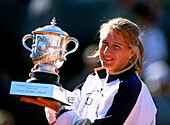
{"x": 80, "y": 19}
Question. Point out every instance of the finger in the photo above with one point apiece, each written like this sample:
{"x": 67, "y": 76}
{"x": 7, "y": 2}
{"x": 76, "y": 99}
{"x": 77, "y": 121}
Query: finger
{"x": 33, "y": 100}
{"x": 30, "y": 74}
{"x": 28, "y": 99}
{"x": 53, "y": 104}
{"x": 35, "y": 67}
{"x": 42, "y": 99}
{"x": 48, "y": 101}
{"x": 56, "y": 70}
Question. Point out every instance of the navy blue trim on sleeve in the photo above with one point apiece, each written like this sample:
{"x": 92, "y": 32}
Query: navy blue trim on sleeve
{"x": 61, "y": 112}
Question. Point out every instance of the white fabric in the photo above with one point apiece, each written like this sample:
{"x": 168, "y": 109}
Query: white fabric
{"x": 101, "y": 100}
{"x": 50, "y": 115}
{"x": 92, "y": 103}
{"x": 144, "y": 111}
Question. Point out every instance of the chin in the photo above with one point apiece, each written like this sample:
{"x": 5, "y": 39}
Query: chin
{"x": 108, "y": 68}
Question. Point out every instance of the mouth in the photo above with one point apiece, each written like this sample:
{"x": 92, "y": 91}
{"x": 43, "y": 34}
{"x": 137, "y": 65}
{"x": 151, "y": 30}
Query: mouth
{"x": 107, "y": 58}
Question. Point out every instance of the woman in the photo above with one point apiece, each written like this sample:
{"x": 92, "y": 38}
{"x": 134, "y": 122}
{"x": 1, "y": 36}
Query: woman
{"x": 114, "y": 94}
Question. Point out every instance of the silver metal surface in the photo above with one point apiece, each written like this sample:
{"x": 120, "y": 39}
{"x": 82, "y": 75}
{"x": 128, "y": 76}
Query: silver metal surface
{"x": 49, "y": 47}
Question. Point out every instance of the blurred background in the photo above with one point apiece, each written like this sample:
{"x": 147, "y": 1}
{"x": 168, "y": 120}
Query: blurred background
{"x": 80, "y": 19}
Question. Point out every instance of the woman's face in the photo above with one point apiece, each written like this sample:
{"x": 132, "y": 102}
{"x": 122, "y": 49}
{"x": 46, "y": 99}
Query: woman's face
{"x": 114, "y": 53}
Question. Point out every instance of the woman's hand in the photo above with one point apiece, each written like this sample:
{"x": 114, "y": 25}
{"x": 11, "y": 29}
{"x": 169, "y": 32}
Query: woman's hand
{"x": 52, "y": 104}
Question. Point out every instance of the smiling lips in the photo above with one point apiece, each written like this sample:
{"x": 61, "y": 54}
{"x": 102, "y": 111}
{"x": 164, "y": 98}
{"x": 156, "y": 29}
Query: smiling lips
{"x": 106, "y": 58}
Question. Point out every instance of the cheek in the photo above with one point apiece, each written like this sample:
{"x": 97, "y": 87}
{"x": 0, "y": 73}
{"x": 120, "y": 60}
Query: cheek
{"x": 101, "y": 50}
{"x": 123, "y": 58}
{"x": 100, "y": 55}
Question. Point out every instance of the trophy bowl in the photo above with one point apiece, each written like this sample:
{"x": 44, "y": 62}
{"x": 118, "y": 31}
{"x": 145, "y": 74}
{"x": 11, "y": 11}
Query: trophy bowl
{"x": 49, "y": 51}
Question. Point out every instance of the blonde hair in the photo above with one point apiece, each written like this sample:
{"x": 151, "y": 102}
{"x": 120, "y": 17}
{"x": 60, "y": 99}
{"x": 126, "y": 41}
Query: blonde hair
{"x": 131, "y": 32}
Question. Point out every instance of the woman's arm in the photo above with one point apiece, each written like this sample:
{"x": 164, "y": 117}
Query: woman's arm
{"x": 122, "y": 105}
{"x": 52, "y": 104}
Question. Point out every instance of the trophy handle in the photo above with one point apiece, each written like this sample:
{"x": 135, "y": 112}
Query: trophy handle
{"x": 24, "y": 40}
{"x": 75, "y": 48}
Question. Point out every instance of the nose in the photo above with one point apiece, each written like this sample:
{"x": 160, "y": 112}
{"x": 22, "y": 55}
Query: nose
{"x": 107, "y": 50}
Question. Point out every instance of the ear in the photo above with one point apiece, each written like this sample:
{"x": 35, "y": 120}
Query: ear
{"x": 132, "y": 52}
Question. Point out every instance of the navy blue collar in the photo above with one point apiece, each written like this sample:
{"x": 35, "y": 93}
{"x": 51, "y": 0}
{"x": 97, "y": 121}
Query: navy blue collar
{"x": 102, "y": 74}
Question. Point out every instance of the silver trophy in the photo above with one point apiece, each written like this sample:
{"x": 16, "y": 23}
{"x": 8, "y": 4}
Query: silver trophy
{"x": 49, "y": 51}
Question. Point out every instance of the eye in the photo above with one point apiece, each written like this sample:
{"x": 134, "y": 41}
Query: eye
{"x": 116, "y": 46}
{"x": 104, "y": 43}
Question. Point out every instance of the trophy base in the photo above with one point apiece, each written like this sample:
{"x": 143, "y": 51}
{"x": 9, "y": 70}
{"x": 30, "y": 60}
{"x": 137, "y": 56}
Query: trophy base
{"x": 42, "y": 84}
{"x": 44, "y": 77}
{"x": 49, "y": 91}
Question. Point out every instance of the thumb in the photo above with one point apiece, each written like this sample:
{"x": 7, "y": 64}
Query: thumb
{"x": 56, "y": 70}
{"x": 35, "y": 67}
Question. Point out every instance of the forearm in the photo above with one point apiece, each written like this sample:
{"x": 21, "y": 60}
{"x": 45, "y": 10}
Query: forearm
{"x": 66, "y": 118}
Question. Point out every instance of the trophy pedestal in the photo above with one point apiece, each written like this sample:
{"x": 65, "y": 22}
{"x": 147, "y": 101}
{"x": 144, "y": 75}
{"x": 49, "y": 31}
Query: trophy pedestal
{"x": 43, "y": 77}
{"x": 46, "y": 87}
